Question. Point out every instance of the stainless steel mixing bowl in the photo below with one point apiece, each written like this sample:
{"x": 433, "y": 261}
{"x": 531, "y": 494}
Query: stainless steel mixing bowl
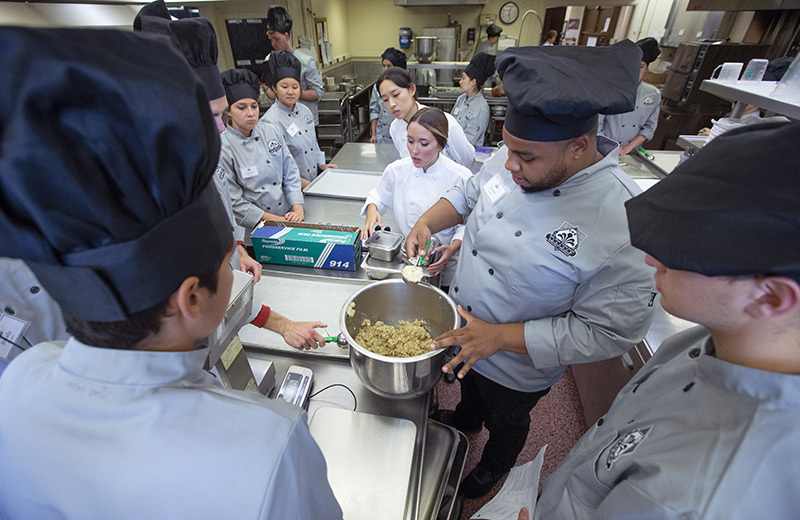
{"x": 425, "y": 48}
{"x": 391, "y": 301}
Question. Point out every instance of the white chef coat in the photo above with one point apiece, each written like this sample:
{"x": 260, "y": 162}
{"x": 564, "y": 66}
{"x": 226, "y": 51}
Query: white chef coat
{"x": 472, "y": 113}
{"x": 310, "y": 79}
{"x": 90, "y": 432}
{"x": 23, "y": 297}
{"x": 262, "y": 175}
{"x": 378, "y": 110}
{"x": 690, "y": 436}
{"x": 458, "y": 147}
{"x": 409, "y": 192}
{"x": 641, "y": 121}
{"x": 560, "y": 261}
{"x": 297, "y": 126}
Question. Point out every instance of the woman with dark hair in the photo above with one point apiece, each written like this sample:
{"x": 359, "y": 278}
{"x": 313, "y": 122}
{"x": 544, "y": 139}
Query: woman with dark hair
{"x": 397, "y": 92}
{"x": 380, "y": 118}
{"x": 411, "y": 185}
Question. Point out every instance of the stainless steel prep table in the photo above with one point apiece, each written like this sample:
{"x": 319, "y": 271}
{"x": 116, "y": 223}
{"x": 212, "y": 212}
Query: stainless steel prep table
{"x": 440, "y": 451}
{"x": 366, "y": 157}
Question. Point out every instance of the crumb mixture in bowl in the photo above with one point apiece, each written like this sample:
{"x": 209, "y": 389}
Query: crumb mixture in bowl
{"x": 408, "y": 339}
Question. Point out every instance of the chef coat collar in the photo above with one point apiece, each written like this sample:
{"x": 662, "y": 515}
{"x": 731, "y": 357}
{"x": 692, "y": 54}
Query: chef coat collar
{"x": 764, "y": 385}
{"x": 131, "y": 367}
{"x": 609, "y": 149}
{"x": 434, "y": 168}
{"x": 234, "y": 132}
{"x": 287, "y": 109}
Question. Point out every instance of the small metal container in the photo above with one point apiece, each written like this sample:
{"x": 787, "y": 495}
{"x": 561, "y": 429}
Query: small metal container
{"x": 384, "y": 245}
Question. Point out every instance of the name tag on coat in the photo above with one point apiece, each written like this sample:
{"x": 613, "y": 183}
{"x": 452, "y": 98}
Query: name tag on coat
{"x": 249, "y": 171}
{"x": 292, "y": 130}
{"x": 495, "y": 189}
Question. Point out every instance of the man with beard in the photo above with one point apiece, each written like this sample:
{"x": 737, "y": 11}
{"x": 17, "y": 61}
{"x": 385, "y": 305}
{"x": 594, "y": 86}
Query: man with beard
{"x": 549, "y": 277}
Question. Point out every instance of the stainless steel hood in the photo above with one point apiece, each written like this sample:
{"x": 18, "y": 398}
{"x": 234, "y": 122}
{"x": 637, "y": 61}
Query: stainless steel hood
{"x": 741, "y": 5}
{"x": 415, "y": 3}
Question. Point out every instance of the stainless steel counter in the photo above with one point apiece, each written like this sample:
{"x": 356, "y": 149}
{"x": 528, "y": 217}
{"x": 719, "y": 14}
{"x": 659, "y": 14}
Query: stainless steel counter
{"x": 366, "y": 157}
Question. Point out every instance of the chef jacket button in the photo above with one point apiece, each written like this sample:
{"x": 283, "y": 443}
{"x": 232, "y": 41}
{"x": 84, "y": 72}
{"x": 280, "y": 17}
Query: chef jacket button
{"x": 268, "y": 208}
{"x": 280, "y": 203}
{"x": 491, "y": 271}
{"x": 600, "y": 421}
{"x": 556, "y": 193}
{"x": 474, "y": 252}
{"x": 267, "y": 161}
{"x": 35, "y": 289}
{"x": 455, "y": 289}
{"x": 695, "y": 352}
{"x": 499, "y": 214}
{"x": 9, "y": 310}
{"x": 469, "y": 308}
{"x": 688, "y": 387}
{"x": 518, "y": 233}
{"x": 305, "y": 151}
{"x": 274, "y": 183}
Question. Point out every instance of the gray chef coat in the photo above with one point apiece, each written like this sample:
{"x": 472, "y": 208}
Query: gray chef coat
{"x": 297, "y": 127}
{"x": 96, "y": 433}
{"x": 262, "y": 175}
{"x": 221, "y": 182}
{"x": 560, "y": 261}
{"x": 642, "y": 120}
{"x": 486, "y": 47}
{"x": 310, "y": 79}
{"x": 23, "y": 297}
{"x": 690, "y": 436}
{"x": 378, "y": 110}
{"x": 472, "y": 113}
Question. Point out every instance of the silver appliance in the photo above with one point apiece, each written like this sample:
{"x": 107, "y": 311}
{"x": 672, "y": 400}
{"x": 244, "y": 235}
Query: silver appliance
{"x": 447, "y": 48}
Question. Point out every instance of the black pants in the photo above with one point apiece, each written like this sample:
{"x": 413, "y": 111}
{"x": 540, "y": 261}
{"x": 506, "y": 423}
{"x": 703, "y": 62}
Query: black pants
{"x": 506, "y": 414}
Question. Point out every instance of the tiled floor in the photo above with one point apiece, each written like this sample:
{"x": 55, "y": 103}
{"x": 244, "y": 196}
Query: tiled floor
{"x": 557, "y": 420}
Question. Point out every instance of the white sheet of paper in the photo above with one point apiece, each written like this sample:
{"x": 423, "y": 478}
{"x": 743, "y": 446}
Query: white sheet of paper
{"x": 519, "y": 490}
{"x": 606, "y": 25}
{"x": 292, "y": 130}
{"x": 591, "y": 41}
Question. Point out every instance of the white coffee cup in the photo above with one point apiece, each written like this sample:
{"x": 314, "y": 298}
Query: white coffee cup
{"x": 728, "y": 72}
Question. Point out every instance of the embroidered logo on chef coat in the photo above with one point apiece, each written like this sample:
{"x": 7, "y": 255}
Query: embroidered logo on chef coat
{"x": 470, "y": 116}
{"x": 625, "y": 445}
{"x": 219, "y": 172}
{"x": 566, "y": 239}
{"x": 273, "y": 145}
{"x": 649, "y": 100}
{"x": 309, "y": 120}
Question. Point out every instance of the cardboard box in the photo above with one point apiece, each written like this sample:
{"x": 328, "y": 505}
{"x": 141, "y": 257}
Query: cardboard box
{"x": 308, "y": 245}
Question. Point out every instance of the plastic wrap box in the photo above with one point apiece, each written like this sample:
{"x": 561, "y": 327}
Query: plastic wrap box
{"x": 308, "y": 245}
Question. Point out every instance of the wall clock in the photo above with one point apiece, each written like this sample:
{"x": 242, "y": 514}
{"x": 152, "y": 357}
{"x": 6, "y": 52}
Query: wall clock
{"x": 509, "y": 13}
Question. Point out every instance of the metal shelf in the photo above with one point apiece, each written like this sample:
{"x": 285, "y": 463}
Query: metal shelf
{"x": 756, "y": 93}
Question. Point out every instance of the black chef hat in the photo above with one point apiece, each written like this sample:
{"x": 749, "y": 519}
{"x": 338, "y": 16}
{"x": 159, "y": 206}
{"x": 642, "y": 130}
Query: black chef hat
{"x": 198, "y": 42}
{"x": 281, "y": 64}
{"x": 278, "y": 20}
{"x": 732, "y": 209}
{"x": 480, "y": 67}
{"x": 493, "y": 30}
{"x": 776, "y": 69}
{"x": 650, "y": 49}
{"x": 240, "y": 84}
{"x": 396, "y": 56}
{"x": 555, "y": 92}
{"x": 194, "y": 37}
{"x": 157, "y": 9}
{"x": 108, "y": 147}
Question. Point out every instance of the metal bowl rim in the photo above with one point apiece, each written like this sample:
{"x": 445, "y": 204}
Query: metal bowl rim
{"x": 380, "y": 357}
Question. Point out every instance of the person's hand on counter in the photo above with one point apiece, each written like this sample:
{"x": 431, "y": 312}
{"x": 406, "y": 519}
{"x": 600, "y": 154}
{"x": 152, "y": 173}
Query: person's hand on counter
{"x": 327, "y": 166}
{"x": 301, "y": 335}
{"x": 478, "y": 340}
{"x": 297, "y": 214}
{"x": 373, "y": 139}
{"x": 373, "y": 218}
{"x": 248, "y": 264}
{"x": 447, "y": 253}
